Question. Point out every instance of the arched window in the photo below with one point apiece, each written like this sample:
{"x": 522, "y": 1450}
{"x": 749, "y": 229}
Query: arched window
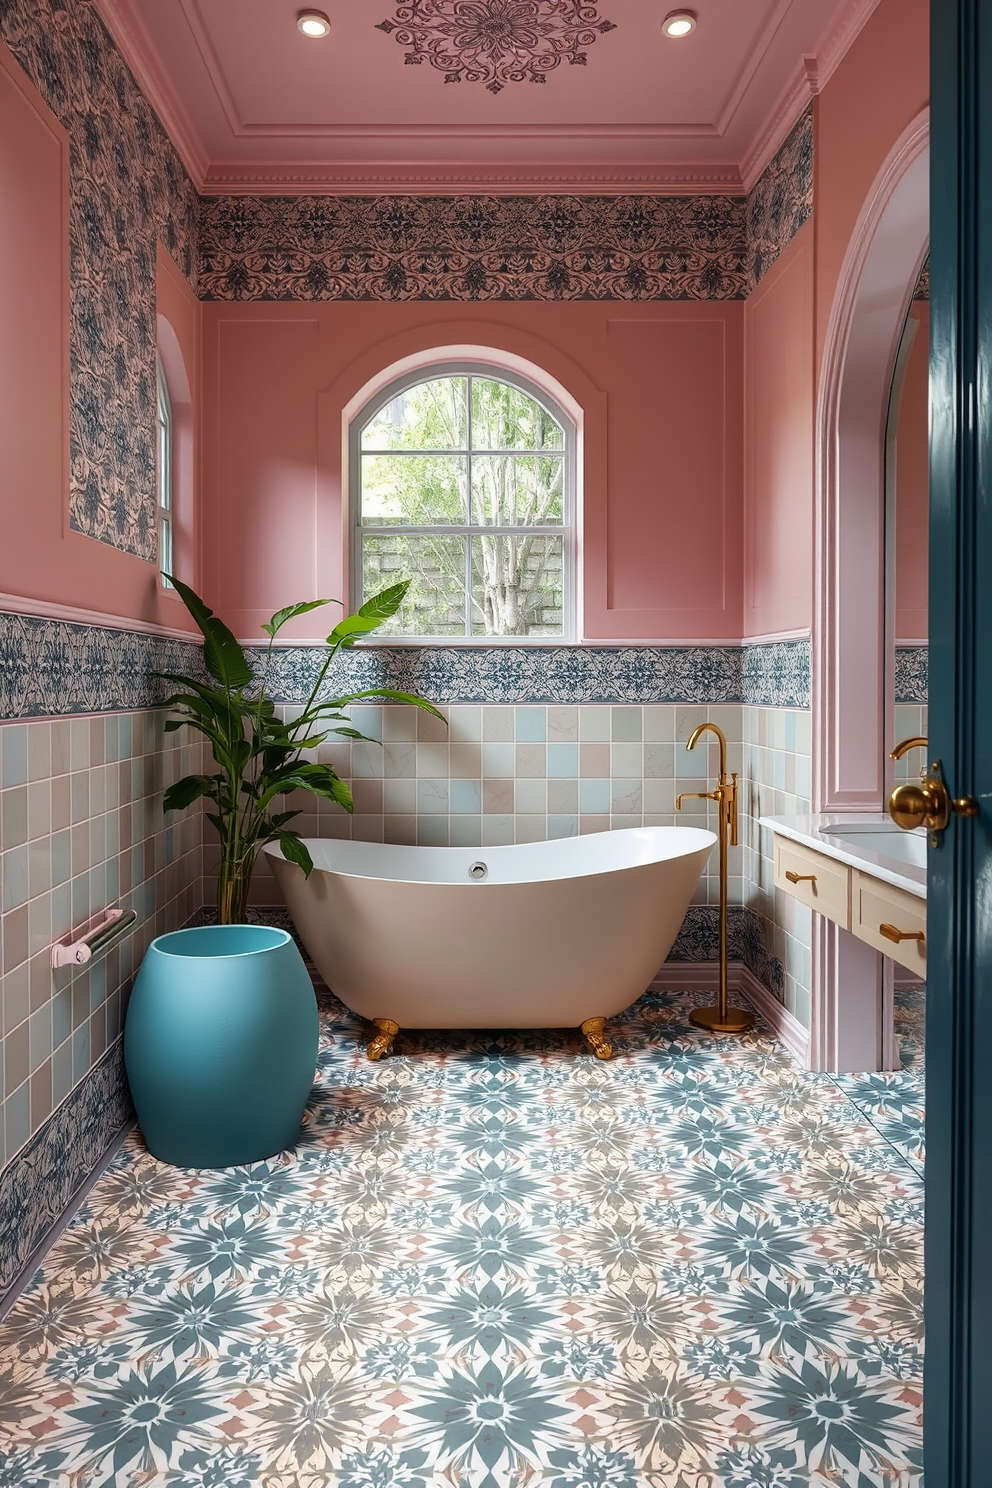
{"x": 164, "y": 438}
{"x": 463, "y": 480}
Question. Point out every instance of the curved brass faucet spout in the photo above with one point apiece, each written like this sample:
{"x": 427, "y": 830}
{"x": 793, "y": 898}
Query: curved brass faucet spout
{"x": 905, "y": 745}
{"x": 714, "y": 728}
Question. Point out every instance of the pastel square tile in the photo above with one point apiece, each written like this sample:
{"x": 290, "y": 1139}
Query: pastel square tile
{"x": 625, "y": 725}
{"x": 14, "y": 815}
{"x": 590, "y": 824}
{"x": 530, "y": 760}
{"x": 497, "y": 724}
{"x": 79, "y": 743}
{"x": 465, "y": 761}
{"x": 627, "y": 760}
{"x": 594, "y": 759}
{"x": 625, "y": 798}
{"x": 367, "y": 828}
{"x": 367, "y": 720}
{"x": 465, "y": 797}
{"x": 399, "y": 796}
{"x": 498, "y": 797}
{"x": 13, "y": 754}
{"x": 401, "y": 829}
{"x": 659, "y": 723}
{"x": 531, "y": 829}
{"x": 563, "y": 760}
{"x": 594, "y": 724}
{"x": 658, "y": 760}
{"x": 39, "y": 746}
{"x": 464, "y": 724}
{"x": 17, "y": 1118}
{"x": 14, "y": 866}
{"x": 497, "y": 831}
{"x": 563, "y": 797}
{"x": 498, "y": 760}
{"x": 563, "y": 725}
{"x": 594, "y": 797}
{"x": 432, "y": 760}
{"x": 399, "y": 760}
{"x": 368, "y": 797}
{"x": 430, "y": 728}
{"x": 432, "y": 831}
{"x": 531, "y": 797}
{"x": 531, "y": 725}
{"x": 465, "y": 831}
{"x": 563, "y": 826}
{"x": 399, "y": 725}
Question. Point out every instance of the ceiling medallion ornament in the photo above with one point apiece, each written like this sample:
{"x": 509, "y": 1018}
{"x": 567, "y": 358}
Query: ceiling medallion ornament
{"x": 496, "y": 42}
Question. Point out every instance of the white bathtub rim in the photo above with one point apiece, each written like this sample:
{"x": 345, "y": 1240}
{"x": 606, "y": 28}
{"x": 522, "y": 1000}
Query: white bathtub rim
{"x": 687, "y": 841}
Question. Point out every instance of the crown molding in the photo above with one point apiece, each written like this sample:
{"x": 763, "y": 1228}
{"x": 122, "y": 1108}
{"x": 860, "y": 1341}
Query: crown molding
{"x": 809, "y": 79}
{"x": 288, "y": 179}
{"x": 43, "y": 609}
{"x": 121, "y": 20}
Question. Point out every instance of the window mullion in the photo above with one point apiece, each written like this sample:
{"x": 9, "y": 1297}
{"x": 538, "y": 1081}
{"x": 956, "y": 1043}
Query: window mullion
{"x": 468, "y": 507}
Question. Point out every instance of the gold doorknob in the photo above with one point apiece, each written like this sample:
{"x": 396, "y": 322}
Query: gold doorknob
{"x": 919, "y": 803}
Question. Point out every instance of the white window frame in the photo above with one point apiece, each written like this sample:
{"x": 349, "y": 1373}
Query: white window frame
{"x": 165, "y": 435}
{"x": 566, "y": 529}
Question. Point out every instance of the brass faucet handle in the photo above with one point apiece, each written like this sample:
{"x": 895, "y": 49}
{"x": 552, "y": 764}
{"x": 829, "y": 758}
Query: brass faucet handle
{"x": 918, "y": 741}
{"x": 697, "y": 796}
{"x": 732, "y": 809}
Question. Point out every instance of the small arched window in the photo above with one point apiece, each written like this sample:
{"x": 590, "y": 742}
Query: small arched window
{"x": 164, "y": 476}
{"x": 463, "y": 481}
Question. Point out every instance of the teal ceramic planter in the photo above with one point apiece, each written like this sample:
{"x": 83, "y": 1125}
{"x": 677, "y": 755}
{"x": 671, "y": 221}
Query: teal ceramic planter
{"x": 220, "y": 1044}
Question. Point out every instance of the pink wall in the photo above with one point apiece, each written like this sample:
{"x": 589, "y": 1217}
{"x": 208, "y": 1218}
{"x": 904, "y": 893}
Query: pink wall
{"x": 876, "y": 92}
{"x": 912, "y": 486}
{"x": 660, "y": 390}
{"x": 778, "y": 437}
{"x": 40, "y": 558}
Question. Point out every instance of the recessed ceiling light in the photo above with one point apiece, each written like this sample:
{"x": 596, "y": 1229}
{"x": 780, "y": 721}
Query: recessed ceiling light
{"x": 679, "y": 23}
{"x": 313, "y": 23}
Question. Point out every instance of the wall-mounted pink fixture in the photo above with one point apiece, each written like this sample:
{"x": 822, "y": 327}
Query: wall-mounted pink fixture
{"x": 313, "y": 23}
{"x": 679, "y": 23}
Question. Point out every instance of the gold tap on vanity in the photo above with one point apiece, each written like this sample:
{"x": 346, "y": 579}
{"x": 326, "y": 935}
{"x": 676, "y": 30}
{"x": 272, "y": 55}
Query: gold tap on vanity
{"x": 720, "y": 1019}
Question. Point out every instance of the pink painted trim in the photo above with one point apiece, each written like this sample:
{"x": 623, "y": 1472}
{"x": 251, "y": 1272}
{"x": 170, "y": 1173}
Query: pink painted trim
{"x": 125, "y": 26}
{"x": 875, "y": 281}
{"x": 288, "y": 178}
{"x": 809, "y": 79}
{"x": 18, "y": 604}
{"x": 802, "y": 634}
{"x": 703, "y": 976}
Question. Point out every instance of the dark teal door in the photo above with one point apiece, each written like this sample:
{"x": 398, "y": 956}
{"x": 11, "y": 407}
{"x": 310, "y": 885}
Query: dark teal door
{"x": 958, "y": 1371}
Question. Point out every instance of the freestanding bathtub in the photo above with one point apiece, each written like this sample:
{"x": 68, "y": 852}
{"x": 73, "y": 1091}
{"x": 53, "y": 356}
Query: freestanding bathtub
{"x": 541, "y": 935}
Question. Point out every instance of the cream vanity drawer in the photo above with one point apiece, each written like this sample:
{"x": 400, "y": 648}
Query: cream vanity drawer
{"x": 891, "y": 920}
{"x": 813, "y": 879}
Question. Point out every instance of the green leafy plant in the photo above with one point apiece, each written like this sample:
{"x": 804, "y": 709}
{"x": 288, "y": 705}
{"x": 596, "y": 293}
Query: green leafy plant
{"x": 260, "y": 756}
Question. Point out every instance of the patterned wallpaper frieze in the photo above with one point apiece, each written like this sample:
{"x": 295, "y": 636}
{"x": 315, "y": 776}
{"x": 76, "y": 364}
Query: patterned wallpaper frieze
{"x": 127, "y": 190}
{"x": 54, "y": 667}
{"x": 781, "y": 201}
{"x": 912, "y": 674}
{"x": 473, "y": 248}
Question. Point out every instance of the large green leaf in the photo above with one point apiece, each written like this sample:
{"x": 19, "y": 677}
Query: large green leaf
{"x": 373, "y": 613}
{"x": 294, "y": 849}
{"x": 184, "y": 792}
{"x": 280, "y": 617}
{"x": 222, "y": 655}
{"x": 386, "y": 692}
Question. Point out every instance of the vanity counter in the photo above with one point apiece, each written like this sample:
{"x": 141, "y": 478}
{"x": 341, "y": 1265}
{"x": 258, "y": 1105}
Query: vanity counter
{"x": 859, "y": 841}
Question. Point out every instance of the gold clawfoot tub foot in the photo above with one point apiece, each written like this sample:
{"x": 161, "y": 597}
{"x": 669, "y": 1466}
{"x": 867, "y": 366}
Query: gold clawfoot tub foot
{"x": 381, "y": 1043}
{"x": 593, "y": 1030}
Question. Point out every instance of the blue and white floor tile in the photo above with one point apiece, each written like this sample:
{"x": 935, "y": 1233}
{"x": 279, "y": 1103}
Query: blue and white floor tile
{"x": 495, "y": 1262}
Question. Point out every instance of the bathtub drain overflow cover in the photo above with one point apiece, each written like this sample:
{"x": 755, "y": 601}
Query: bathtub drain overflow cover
{"x": 478, "y": 870}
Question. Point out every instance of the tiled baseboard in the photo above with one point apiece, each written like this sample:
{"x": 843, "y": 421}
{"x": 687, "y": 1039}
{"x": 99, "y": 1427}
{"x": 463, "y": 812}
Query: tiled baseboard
{"x": 40, "y": 1183}
{"x": 741, "y": 984}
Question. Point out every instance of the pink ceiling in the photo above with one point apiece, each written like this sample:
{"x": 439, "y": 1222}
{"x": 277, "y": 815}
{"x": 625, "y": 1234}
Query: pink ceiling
{"x": 254, "y": 105}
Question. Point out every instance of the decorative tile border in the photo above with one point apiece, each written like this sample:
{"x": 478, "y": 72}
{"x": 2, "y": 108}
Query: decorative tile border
{"x": 37, "y": 1186}
{"x": 127, "y": 190}
{"x": 523, "y": 674}
{"x": 777, "y": 674}
{"x": 50, "y": 668}
{"x": 781, "y": 201}
{"x": 912, "y": 673}
{"x": 699, "y": 940}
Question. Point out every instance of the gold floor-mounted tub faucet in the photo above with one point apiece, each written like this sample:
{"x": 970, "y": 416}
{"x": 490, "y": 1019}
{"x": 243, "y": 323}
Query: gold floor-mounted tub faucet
{"x": 719, "y": 1019}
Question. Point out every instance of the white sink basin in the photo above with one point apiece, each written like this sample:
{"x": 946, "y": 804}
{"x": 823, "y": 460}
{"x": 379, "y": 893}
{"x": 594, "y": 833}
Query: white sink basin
{"x": 887, "y": 842}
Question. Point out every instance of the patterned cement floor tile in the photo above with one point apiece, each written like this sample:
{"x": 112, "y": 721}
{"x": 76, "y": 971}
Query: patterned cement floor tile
{"x": 494, "y": 1262}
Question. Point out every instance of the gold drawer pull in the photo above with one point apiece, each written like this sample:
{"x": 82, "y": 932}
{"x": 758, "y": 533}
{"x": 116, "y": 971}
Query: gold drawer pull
{"x": 891, "y": 933}
{"x": 800, "y": 877}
